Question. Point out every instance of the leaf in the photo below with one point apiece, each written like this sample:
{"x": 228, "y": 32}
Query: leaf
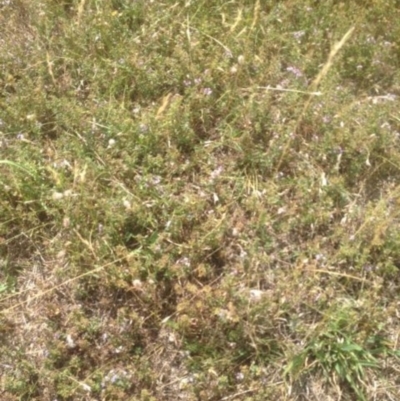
{"x": 18, "y": 166}
{"x": 351, "y": 347}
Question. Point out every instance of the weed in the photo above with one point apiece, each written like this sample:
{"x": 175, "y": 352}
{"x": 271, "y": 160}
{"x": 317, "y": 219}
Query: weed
{"x": 199, "y": 200}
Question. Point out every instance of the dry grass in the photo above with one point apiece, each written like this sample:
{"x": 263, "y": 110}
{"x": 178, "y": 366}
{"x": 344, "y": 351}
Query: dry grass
{"x": 199, "y": 201}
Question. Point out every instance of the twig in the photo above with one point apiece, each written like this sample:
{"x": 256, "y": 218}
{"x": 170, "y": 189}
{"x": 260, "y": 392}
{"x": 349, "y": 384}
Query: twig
{"x": 270, "y": 88}
{"x": 229, "y": 397}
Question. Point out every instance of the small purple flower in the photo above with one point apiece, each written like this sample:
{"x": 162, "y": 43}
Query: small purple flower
{"x": 228, "y": 54}
{"x": 155, "y": 180}
{"x": 295, "y": 71}
{"x": 371, "y": 39}
{"x": 368, "y": 268}
{"x": 298, "y": 35}
{"x": 239, "y": 376}
{"x": 184, "y": 261}
{"x": 143, "y": 128}
{"x": 207, "y": 91}
{"x": 214, "y": 174}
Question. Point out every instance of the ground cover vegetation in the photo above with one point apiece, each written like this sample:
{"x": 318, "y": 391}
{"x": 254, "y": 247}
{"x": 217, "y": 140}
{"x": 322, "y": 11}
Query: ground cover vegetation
{"x": 199, "y": 200}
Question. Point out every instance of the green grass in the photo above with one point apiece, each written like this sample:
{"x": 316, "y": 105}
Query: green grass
{"x": 199, "y": 200}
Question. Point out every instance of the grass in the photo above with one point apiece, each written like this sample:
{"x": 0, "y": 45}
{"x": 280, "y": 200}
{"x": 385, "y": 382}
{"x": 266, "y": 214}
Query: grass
{"x": 199, "y": 200}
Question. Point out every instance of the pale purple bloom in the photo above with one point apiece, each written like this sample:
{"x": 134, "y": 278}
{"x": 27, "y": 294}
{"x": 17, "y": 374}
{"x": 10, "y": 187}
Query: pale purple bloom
{"x": 214, "y": 174}
{"x": 295, "y": 71}
{"x": 143, "y": 128}
{"x": 299, "y": 34}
